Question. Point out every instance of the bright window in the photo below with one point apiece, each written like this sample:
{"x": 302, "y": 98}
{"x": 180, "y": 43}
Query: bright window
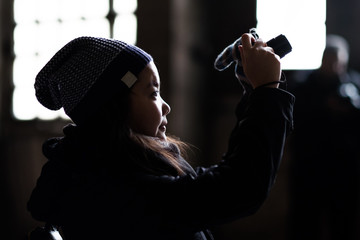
{"x": 302, "y": 22}
{"x": 44, "y": 26}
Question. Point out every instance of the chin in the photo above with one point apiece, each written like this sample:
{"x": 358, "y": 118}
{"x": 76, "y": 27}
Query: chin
{"x": 162, "y": 137}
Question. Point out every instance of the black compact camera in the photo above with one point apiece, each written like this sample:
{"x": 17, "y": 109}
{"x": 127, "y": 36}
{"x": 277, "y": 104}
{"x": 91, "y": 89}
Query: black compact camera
{"x": 231, "y": 53}
{"x": 280, "y": 44}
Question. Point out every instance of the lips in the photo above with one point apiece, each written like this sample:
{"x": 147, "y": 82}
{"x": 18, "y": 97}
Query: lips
{"x": 162, "y": 127}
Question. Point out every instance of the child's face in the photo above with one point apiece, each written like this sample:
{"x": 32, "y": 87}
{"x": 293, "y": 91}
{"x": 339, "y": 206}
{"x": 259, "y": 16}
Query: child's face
{"x": 147, "y": 109}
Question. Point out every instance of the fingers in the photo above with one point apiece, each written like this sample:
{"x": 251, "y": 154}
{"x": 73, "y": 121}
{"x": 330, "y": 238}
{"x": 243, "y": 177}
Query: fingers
{"x": 249, "y": 42}
{"x": 261, "y": 65}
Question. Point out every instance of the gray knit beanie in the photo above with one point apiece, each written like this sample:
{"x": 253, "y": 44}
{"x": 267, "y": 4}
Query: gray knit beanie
{"x": 84, "y": 74}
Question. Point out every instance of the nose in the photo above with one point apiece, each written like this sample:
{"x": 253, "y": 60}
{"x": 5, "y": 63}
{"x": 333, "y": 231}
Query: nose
{"x": 166, "y": 108}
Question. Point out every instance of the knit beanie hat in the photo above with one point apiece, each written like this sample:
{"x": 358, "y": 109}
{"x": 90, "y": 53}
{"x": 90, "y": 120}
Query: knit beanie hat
{"x": 84, "y": 74}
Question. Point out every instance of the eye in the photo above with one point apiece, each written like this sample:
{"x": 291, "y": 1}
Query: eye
{"x": 155, "y": 93}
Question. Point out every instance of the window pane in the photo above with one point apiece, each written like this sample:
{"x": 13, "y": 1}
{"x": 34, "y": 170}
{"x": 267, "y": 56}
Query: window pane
{"x": 125, "y": 28}
{"x": 24, "y": 73}
{"x": 25, "y": 10}
{"x": 287, "y": 17}
{"x": 76, "y": 9}
{"x": 125, "y": 6}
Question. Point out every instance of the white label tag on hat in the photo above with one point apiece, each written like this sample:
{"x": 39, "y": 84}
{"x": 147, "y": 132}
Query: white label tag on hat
{"x": 129, "y": 79}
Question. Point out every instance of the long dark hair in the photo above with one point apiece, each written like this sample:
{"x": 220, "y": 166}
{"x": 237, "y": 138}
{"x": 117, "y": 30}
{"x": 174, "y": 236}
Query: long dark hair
{"x": 170, "y": 150}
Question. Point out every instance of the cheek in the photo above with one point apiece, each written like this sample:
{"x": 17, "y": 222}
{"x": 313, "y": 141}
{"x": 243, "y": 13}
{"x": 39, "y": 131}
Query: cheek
{"x": 151, "y": 118}
{"x": 135, "y": 120}
{"x": 144, "y": 119}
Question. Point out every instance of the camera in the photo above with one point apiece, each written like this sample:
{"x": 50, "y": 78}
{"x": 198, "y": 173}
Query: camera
{"x": 280, "y": 44}
{"x": 231, "y": 53}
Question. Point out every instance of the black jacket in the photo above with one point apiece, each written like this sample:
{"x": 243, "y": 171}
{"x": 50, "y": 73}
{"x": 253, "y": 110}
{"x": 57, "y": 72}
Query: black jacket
{"x": 89, "y": 203}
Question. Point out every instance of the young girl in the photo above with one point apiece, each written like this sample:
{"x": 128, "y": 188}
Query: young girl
{"x": 116, "y": 174}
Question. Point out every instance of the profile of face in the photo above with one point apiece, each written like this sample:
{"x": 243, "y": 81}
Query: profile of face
{"x": 148, "y": 111}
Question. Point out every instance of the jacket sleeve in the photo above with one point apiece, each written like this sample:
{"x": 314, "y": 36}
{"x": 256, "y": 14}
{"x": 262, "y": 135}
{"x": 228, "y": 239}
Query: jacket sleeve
{"x": 238, "y": 185}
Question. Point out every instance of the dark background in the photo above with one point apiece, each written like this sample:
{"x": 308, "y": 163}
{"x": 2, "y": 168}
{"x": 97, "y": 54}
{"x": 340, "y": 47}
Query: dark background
{"x": 184, "y": 37}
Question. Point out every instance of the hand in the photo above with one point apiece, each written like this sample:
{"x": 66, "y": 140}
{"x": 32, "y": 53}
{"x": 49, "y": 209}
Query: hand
{"x": 261, "y": 65}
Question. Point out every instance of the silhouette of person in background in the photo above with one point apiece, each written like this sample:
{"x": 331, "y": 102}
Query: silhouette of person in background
{"x": 325, "y": 148}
